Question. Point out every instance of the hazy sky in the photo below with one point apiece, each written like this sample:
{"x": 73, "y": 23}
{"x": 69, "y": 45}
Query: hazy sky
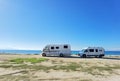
{"x": 31, "y": 24}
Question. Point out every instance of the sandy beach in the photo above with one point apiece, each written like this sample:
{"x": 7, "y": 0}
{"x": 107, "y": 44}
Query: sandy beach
{"x": 59, "y": 68}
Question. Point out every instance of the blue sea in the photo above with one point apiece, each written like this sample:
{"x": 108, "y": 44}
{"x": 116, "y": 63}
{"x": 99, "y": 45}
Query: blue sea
{"x": 39, "y": 51}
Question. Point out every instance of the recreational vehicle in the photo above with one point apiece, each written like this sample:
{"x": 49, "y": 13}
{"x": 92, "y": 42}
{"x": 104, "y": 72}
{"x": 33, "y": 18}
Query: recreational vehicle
{"x": 92, "y": 51}
{"x": 57, "y": 50}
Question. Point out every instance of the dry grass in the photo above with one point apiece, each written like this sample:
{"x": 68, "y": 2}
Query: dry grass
{"x": 37, "y": 68}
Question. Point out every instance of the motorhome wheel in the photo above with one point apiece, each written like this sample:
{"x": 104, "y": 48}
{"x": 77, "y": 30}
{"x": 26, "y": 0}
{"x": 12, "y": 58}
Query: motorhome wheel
{"x": 84, "y": 55}
{"x": 100, "y": 56}
{"x": 61, "y": 55}
{"x": 43, "y": 54}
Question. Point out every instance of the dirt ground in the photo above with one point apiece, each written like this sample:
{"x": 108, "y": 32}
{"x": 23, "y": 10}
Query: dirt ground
{"x": 60, "y": 69}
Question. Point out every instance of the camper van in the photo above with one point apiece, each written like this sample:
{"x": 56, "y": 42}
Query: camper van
{"x": 57, "y": 50}
{"x": 92, "y": 51}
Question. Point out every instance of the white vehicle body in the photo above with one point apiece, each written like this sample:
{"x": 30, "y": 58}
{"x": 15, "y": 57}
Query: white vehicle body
{"x": 93, "y": 51}
{"x": 57, "y": 50}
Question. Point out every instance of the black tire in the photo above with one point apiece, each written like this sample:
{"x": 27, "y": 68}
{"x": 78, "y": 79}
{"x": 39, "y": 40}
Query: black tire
{"x": 100, "y": 56}
{"x": 43, "y": 54}
{"x": 61, "y": 55}
{"x": 84, "y": 55}
{"x": 96, "y": 56}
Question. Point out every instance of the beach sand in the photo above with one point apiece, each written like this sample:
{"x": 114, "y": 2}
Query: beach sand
{"x": 60, "y": 69}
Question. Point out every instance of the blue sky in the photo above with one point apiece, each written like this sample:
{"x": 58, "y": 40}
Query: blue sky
{"x": 31, "y": 24}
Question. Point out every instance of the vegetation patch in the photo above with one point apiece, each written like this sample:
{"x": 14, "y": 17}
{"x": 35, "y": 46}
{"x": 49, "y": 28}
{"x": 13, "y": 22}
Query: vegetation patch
{"x": 5, "y": 66}
{"x": 99, "y": 70}
{"x": 31, "y": 60}
{"x": 14, "y": 78}
{"x": 23, "y": 63}
{"x": 68, "y": 67}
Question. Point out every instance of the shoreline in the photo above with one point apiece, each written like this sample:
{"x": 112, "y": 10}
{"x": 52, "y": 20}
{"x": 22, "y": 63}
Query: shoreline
{"x": 40, "y": 54}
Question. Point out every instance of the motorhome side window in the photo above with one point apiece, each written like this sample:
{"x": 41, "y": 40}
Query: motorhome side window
{"x": 57, "y": 47}
{"x": 65, "y": 46}
{"x": 52, "y": 47}
{"x": 91, "y": 50}
{"x": 96, "y": 50}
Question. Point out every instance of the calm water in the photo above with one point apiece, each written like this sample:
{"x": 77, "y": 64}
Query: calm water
{"x": 21, "y": 51}
{"x": 39, "y": 51}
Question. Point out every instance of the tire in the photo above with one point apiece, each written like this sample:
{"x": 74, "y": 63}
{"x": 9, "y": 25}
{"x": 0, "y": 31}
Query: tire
{"x": 100, "y": 56}
{"x": 61, "y": 55}
{"x": 84, "y": 55}
{"x": 96, "y": 56}
{"x": 43, "y": 54}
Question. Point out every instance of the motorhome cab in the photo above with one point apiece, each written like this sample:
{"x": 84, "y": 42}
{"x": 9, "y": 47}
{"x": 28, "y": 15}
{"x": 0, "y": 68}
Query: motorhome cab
{"x": 57, "y": 50}
{"x": 93, "y": 51}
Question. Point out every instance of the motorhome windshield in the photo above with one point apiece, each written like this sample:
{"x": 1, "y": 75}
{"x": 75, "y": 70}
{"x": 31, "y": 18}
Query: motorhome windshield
{"x": 84, "y": 50}
{"x": 46, "y": 48}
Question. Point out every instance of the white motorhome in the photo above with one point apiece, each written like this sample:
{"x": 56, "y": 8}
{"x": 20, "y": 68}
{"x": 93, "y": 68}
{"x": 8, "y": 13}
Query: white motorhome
{"x": 93, "y": 51}
{"x": 57, "y": 50}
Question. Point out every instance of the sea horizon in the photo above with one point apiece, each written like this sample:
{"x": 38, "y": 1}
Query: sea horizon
{"x": 18, "y": 51}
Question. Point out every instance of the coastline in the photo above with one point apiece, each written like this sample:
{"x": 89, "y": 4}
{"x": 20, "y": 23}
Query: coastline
{"x": 37, "y": 52}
